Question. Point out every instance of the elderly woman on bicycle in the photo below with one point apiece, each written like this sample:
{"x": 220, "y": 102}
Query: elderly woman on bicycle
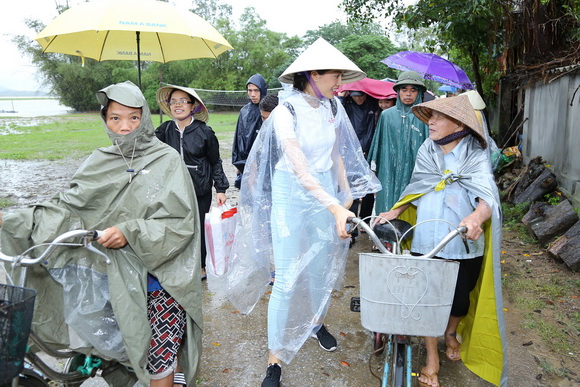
{"x": 452, "y": 181}
{"x": 144, "y": 308}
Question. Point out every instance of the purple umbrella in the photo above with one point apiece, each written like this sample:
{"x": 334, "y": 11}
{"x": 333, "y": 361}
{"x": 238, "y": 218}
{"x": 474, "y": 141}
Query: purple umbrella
{"x": 430, "y": 66}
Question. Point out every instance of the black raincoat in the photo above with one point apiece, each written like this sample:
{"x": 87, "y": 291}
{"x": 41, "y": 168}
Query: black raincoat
{"x": 199, "y": 149}
{"x": 248, "y": 126}
{"x": 363, "y": 119}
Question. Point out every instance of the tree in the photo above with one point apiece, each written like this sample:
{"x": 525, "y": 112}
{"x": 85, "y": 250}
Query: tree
{"x": 367, "y": 51}
{"x": 336, "y": 32}
{"x": 491, "y": 35}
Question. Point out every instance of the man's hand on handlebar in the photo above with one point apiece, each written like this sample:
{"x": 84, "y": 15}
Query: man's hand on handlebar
{"x": 112, "y": 238}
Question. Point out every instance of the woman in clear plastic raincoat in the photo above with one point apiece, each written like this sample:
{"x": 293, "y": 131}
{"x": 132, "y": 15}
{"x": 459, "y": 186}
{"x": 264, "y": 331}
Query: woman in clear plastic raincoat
{"x": 452, "y": 180}
{"x": 139, "y": 192}
{"x": 303, "y": 172}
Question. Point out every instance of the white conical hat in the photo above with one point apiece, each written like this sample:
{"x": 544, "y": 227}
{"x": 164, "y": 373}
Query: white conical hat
{"x": 322, "y": 55}
{"x": 475, "y": 99}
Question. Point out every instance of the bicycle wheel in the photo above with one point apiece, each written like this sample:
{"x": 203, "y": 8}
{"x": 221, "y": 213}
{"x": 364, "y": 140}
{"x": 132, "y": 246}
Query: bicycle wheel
{"x": 71, "y": 365}
{"x": 31, "y": 379}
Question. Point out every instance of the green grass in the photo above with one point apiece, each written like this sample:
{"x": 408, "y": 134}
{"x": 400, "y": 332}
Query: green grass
{"x": 5, "y": 203}
{"x": 77, "y": 135}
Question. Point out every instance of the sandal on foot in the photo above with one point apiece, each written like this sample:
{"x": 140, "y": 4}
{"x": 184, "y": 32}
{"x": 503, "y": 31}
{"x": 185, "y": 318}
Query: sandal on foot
{"x": 430, "y": 377}
{"x": 450, "y": 351}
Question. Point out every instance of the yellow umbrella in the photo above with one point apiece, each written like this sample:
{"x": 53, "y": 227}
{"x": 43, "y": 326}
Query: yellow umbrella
{"x": 132, "y": 30}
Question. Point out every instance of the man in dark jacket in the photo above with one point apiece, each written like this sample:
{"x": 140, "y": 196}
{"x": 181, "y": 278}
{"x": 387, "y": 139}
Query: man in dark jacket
{"x": 362, "y": 111}
{"x": 249, "y": 124}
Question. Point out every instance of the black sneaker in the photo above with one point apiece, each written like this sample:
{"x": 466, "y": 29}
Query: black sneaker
{"x": 273, "y": 375}
{"x": 325, "y": 339}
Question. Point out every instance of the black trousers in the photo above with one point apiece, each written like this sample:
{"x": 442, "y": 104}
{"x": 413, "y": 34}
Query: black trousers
{"x": 467, "y": 277}
{"x": 203, "y": 205}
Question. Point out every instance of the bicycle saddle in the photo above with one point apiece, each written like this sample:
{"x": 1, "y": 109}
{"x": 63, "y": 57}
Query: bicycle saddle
{"x": 393, "y": 230}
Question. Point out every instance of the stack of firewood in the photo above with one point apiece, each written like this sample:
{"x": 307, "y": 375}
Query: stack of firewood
{"x": 551, "y": 218}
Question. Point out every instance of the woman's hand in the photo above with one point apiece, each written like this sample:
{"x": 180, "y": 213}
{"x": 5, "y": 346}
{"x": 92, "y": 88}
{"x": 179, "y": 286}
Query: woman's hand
{"x": 220, "y": 198}
{"x": 341, "y": 214}
{"x": 474, "y": 220}
{"x": 389, "y": 215}
{"x": 112, "y": 238}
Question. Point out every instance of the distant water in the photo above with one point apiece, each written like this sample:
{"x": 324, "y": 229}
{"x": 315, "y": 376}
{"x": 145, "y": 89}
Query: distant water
{"x": 32, "y": 107}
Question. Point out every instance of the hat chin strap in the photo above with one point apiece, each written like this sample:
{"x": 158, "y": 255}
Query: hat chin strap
{"x": 452, "y": 137}
{"x": 196, "y": 109}
{"x": 313, "y": 85}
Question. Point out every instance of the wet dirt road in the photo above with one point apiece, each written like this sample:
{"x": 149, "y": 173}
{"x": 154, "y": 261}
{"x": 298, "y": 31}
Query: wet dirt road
{"x": 235, "y": 346}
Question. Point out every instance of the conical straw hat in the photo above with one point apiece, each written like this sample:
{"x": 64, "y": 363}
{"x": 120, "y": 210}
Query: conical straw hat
{"x": 163, "y": 101}
{"x": 322, "y": 55}
{"x": 458, "y": 108}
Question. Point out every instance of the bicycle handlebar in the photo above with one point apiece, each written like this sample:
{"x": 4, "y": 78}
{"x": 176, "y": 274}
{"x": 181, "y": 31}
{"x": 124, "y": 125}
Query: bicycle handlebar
{"x": 359, "y": 222}
{"x": 87, "y": 235}
{"x": 458, "y": 231}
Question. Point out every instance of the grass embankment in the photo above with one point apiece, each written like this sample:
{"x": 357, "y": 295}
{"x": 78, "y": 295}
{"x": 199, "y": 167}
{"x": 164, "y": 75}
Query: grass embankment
{"x": 77, "y": 135}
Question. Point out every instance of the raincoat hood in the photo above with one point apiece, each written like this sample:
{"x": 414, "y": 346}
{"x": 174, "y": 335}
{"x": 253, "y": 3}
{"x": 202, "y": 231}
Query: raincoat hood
{"x": 258, "y": 80}
{"x": 157, "y": 213}
{"x": 128, "y": 94}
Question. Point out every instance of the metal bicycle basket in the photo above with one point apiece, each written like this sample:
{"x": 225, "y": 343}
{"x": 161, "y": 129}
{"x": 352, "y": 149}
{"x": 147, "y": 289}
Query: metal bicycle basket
{"x": 16, "y": 309}
{"x": 406, "y": 295}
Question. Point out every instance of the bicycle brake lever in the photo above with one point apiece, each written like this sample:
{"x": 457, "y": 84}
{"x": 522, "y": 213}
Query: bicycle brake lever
{"x": 89, "y": 246}
{"x": 463, "y": 235}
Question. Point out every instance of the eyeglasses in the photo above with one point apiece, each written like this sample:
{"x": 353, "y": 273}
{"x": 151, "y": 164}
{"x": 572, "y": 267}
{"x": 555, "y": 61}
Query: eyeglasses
{"x": 179, "y": 102}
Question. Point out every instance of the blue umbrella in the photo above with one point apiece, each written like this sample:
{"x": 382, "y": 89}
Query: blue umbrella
{"x": 447, "y": 89}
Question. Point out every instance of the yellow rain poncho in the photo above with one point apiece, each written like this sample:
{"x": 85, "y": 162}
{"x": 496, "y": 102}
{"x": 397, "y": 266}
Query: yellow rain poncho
{"x": 483, "y": 348}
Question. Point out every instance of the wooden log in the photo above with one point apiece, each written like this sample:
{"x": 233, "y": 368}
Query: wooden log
{"x": 536, "y": 213}
{"x": 552, "y": 221}
{"x": 545, "y": 183}
{"x": 567, "y": 247}
{"x": 532, "y": 171}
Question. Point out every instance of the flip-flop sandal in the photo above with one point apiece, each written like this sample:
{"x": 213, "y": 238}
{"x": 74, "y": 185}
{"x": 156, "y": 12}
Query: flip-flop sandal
{"x": 430, "y": 376}
{"x": 451, "y": 350}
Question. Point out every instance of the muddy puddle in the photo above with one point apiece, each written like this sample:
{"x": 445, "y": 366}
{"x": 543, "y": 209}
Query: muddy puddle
{"x": 27, "y": 182}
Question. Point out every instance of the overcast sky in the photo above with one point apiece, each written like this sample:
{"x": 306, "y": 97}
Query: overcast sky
{"x": 293, "y": 17}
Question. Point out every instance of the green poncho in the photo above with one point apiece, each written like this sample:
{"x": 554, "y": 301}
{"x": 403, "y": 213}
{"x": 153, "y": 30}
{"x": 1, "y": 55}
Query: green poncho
{"x": 156, "y": 212}
{"x": 398, "y": 136}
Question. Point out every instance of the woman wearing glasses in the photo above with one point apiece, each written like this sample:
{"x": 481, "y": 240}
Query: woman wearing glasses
{"x": 199, "y": 148}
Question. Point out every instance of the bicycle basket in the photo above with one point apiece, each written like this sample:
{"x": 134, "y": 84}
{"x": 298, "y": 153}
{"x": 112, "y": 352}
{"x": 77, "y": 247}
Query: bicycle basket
{"x": 405, "y": 295}
{"x": 16, "y": 308}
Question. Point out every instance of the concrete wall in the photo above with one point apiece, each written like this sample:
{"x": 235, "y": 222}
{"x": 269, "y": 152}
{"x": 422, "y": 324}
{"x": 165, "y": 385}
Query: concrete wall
{"x": 552, "y": 130}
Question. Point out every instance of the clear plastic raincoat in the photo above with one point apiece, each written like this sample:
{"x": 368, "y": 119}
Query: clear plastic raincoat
{"x": 92, "y": 307}
{"x": 305, "y": 158}
{"x": 483, "y": 348}
{"x": 398, "y": 136}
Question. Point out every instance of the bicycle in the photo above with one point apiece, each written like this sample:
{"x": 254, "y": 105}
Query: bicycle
{"x": 395, "y": 283}
{"x": 29, "y": 370}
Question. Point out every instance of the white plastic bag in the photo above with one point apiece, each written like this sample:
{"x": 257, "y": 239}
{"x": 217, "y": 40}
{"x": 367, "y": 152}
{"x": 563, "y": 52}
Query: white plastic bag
{"x": 220, "y": 225}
